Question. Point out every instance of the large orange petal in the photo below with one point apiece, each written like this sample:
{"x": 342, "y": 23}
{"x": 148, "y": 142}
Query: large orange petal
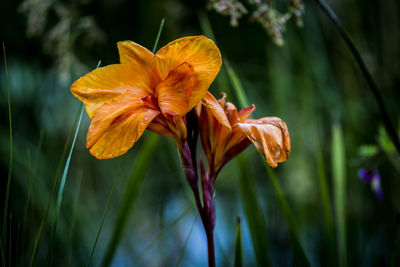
{"x": 270, "y": 136}
{"x": 103, "y": 84}
{"x": 197, "y": 51}
{"x": 133, "y": 53}
{"x": 117, "y": 125}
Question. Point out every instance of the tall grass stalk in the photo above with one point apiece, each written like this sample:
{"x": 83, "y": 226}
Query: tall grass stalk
{"x": 387, "y": 122}
{"x": 5, "y": 214}
{"x": 186, "y": 242}
{"x": 105, "y": 212}
{"x": 10, "y": 243}
{"x": 237, "y": 85}
{"x": 43, "y": 221}
{"x": 74, "y": 215}
{"x": 238, "y": 245}
{"x": 339, "y": 179}
{"x": 300, "y": 258}
{"x": 254, "y": 215}
{"x": 63, "y": 180}
{"x": 132, "y": 189}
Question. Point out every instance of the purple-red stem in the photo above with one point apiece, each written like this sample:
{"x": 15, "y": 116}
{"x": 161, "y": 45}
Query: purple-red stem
{"x": 207, "y": 209}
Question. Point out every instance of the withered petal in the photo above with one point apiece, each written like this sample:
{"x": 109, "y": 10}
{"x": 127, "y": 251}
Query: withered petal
{"x": 270, "y": 136}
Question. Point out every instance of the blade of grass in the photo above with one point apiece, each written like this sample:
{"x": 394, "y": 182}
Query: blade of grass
{"x": 257, "y": 225}
{"x": 339, "y": 180}
{"x": 158, "y": 35}
{"x": 62, "y": 184}
{"x": 238, "y": 245}
{"x": 5, "y": 214}
{"x": 10, "y": 243}
{"x": 300, "y": 258}
{"x": 43, "y": 222}
{"x": 132, "y": 189}
{"x": 140, "y": 168}
{"x": 253, "y": 212}
{"x": 237, "y": 85}
{"x": 221, "y": 80}
{"x": 387, "y": 122}
{"x": 105, "y": 212}
{"x": 74, "y": 214}
{"x": 325, "y": 199}
{"x": 187, "y": 242}
{"x": 32, "y": 173}
{"x": 63, "y": 180}
{"x": 3, "y": 263}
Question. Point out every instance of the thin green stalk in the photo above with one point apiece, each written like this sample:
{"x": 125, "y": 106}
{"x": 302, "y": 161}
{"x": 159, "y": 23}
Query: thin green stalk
{"x": 300, "y": 258}
{"x": 3, "y": 263}
{"x": 10, "y": 243}
{"x": 158, "y": 35}
{"x": 132, "y": 189}
{"x": 323, "y": 187}
{"x": 5, "y": 215}
{"x": 253, "y": 212}
{"x": 238, "y": 245}
{"x": 63, "y": 180}
{"x": 74, "y": 214}
{"x": 339, "y": 180}
{"x": 53, "y": 188}
{"x": 186, "y": 242}
{"x": 105, "y": 212}
{"x": 237, "y": 85}
{"x": 389, "y": 126}
{"x": 32, "y": 173}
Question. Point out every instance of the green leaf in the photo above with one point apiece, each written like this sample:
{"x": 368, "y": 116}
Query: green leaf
{"x": 339, "y": 181}
{"x": 300, "y": 258}
{"x": 132, "y": 189}
{"x": 253, "y": 212}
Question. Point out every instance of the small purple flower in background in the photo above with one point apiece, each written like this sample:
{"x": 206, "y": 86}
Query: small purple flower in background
{"x": 373, "y": 178}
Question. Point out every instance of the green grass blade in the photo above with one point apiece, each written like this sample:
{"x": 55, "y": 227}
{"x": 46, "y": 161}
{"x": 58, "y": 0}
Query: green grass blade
{"x": 3, "y": 263}
{"x": 238, "y": 245}
{"x": 253, "y": 212}
{"x": 237, "y": 85}
{"x": 133, "y": 187}
{"x": 325, "y": 200}
{"x": 43, "y": 222}
{"x": 186, "y": 242}
{"x": 74, "y": 214}
{"x": 158, "y": 35}
{"x": 63, "y": 180}
{"x": 300, "y": 258}
{"x": 10, "y": 243}
{"x": 5, "y": 214}
{"x": 221, "y": 80}
{"x": 105, "y": 213}
{"x": 339, "y": 179}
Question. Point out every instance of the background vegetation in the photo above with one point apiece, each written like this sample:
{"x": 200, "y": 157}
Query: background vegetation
{"x": 311, "y": 209}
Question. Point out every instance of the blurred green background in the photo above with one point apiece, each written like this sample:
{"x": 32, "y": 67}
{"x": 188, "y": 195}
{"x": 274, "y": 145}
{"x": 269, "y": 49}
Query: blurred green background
{"x": 312, "y": 82}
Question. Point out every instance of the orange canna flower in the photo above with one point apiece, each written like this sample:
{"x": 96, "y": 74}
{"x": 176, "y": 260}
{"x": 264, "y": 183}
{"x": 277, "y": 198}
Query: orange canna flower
{"x": 146, "y": 91}
{"x": 225, "y": 133}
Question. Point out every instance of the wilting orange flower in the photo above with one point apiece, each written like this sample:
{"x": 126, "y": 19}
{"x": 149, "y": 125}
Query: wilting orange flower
{"x": 225, "y": 132}
{"x": 146, "y": 91}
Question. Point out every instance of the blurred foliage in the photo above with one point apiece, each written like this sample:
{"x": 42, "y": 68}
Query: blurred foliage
{"x": 307, "y": 82}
